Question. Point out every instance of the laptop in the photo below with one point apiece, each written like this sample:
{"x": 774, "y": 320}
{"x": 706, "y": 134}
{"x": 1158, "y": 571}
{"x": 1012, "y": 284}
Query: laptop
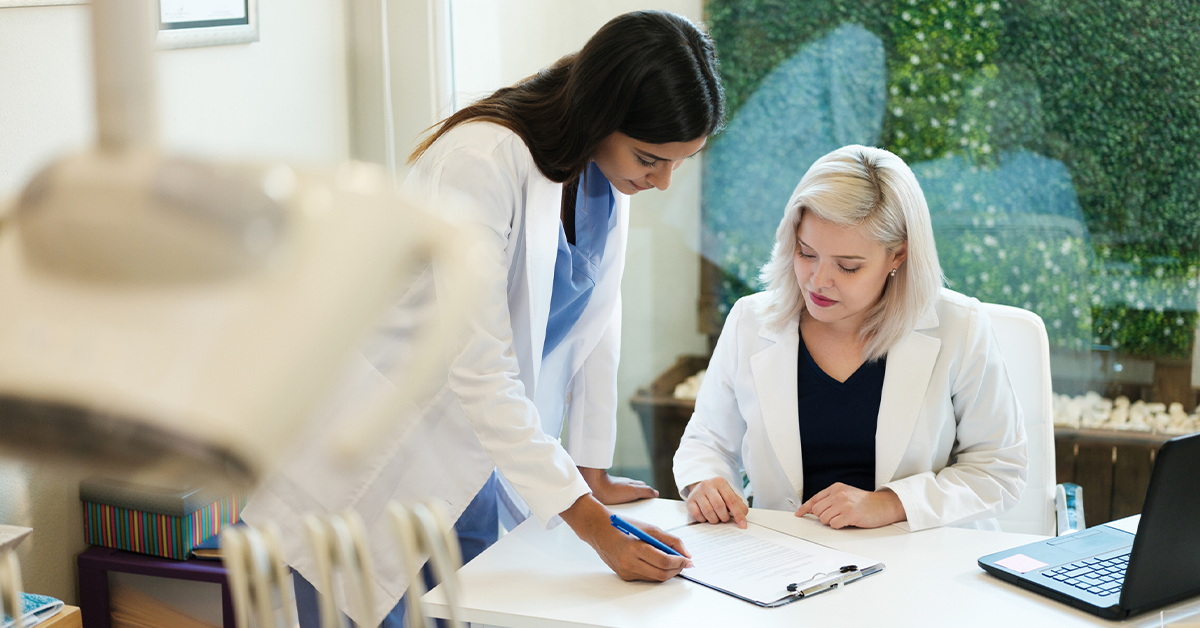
{"x": 1124, "y": 567}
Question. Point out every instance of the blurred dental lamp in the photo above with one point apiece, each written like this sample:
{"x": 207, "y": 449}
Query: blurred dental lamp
{"x": 184, "y": 317}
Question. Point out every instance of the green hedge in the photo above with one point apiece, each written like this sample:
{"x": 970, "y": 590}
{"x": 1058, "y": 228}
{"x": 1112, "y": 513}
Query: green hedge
{"x": 1109, "y": 88}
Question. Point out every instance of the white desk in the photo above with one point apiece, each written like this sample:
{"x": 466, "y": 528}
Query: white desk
{"x": 534, "y": 578}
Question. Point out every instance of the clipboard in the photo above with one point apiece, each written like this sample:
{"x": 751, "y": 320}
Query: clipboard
{"x": 801, "y": 592}
{"x": 765, "y": 567}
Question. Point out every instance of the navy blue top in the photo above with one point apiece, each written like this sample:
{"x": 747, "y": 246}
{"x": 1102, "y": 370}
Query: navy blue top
{"x": 578, "y": 264}
{"x": 837, "y": 424}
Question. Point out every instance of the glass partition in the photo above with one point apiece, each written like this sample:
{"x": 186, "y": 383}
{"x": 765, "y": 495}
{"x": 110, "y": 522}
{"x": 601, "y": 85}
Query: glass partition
{"x": 1055, "y": 143}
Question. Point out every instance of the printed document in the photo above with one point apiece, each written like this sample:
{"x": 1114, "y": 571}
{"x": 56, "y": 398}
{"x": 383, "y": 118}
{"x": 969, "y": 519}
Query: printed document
{"x": 757, "y": 564}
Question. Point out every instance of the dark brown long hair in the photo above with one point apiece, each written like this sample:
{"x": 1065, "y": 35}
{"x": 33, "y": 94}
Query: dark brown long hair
{"x": 651, "y": 75}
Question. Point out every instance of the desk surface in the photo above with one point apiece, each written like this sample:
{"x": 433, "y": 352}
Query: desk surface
{"x": 533, "y": 578}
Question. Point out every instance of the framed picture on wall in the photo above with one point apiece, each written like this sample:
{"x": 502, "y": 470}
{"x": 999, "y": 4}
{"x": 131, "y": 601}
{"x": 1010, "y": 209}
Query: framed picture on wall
{"x": 192, "y": 23}
{"x": 38, "y": 3}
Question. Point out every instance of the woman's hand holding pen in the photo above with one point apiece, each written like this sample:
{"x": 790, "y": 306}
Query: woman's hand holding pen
{"x": 630, "y": 558}
{"x": 841, "y": 506}
{"x": 615, "y": 490}
{"x": 715, "y": 501}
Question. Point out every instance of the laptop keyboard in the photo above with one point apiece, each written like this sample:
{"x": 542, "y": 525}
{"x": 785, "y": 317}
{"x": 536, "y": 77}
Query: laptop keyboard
{"x": 1094, "y": 575}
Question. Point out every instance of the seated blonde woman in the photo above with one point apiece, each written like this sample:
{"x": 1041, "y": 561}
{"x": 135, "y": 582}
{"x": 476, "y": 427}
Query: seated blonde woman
{"x": 856, "y": 388}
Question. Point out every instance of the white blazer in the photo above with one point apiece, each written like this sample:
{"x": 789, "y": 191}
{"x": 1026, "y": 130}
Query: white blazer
{"x": 950, "y": 439}
{"x": 501, "y": 405}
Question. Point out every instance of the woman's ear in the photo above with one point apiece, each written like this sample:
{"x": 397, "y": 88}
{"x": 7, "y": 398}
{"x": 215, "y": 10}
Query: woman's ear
{"x": 899, "y": 255}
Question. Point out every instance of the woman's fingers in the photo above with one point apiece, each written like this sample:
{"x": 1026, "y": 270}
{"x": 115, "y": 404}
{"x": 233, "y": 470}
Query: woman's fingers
{"x": 715, "y": 501}
{"x": 677, "y": 545}
{"x": 615, "y": 489}
{"x": 694, "y": 509}
{"x": 706, "y": 508}
{"x": 669, "y": 539}
{"x": 715, "y": 498}
{"x": 828, "y": 513}
{"x": 734, "y": 505}
{"x": 633, "y": 559}
{"x": 640, "y": 565}
{"x": 842, "y": 506}
{"x": 657, "y": 559}
{"x": 649, "y": 563}
{"x": 640, "y": 490}
{"x": 820, "y": 503}
{"x": 807, "y": 506}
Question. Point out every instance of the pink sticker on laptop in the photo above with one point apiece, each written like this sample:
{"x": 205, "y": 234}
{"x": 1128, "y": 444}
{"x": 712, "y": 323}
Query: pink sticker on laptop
{"x": 1021, "y": 563}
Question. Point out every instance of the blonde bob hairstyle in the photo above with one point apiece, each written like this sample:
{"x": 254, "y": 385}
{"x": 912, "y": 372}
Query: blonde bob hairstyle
{"x": 874, "y": 190}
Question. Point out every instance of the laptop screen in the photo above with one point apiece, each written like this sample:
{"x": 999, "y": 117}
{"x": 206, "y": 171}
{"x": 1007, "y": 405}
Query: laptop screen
{"x": 1165, "y": 563}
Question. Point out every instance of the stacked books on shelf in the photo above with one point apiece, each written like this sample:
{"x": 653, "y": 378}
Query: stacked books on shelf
{"x": 157, "y": 520}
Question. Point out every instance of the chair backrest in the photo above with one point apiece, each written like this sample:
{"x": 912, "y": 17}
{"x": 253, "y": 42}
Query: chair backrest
{"x": 1026, "y": 350}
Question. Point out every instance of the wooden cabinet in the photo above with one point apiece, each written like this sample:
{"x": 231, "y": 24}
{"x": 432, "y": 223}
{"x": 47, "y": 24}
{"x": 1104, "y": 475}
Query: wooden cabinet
{"x": 1112, "y": 467}
{"x": 664, "y": 418}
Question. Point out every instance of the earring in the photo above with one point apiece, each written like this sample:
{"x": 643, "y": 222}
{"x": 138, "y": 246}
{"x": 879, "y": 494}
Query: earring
{"x": 893, "y": 273}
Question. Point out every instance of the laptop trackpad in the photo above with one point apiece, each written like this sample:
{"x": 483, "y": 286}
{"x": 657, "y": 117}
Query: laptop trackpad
{"x": 1084, "y": 543}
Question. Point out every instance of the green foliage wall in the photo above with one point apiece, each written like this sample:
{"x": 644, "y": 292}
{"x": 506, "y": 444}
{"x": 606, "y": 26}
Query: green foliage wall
{"x": 1026, "y": 269}
{"x": 941, "y": 50}
{"x": 1109, "y": 88}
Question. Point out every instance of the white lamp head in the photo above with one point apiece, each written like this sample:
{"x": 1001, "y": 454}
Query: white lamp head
{"x": 186, "y": 316}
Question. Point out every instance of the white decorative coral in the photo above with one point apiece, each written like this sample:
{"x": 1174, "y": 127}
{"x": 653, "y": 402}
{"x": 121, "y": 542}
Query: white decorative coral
{"x": 1091, "y": 411}
{"x": 690, "y": 387}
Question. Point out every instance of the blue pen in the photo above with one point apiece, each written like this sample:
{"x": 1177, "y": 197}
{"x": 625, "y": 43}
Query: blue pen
{"x": 629, "y": 528}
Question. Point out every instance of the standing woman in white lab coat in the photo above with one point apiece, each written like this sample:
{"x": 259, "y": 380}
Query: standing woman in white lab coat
{"x": 856, "y": 388}
{"x": 550, "y": 164}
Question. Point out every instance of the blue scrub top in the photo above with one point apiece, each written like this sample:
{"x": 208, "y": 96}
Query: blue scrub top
{"x": 578, "y": 265}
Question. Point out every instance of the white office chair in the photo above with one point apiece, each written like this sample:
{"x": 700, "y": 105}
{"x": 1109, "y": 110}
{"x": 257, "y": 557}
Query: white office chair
{"x": 1026, "y": 351}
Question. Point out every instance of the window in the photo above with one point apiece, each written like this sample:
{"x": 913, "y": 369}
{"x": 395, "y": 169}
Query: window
{"x": 1056, "y": 144}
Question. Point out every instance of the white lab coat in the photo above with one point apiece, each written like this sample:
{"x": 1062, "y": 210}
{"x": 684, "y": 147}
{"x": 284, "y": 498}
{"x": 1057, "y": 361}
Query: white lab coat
{"x": 950, "y": 441}
{"x": 502, "y": 405}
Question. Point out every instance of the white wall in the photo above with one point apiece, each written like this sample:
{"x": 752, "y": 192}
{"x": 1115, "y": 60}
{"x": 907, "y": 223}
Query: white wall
{"x": 498, "y": 43}
{"x": 419, "y": 75}
{"x": 283, "y": 97}
{"x": 280, "y": 98}
{"x": 45, "y": 104}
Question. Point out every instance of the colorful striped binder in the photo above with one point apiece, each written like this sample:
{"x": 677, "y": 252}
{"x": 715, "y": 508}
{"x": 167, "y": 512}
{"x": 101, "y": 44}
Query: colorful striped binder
{"x": 153, "y": 520}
